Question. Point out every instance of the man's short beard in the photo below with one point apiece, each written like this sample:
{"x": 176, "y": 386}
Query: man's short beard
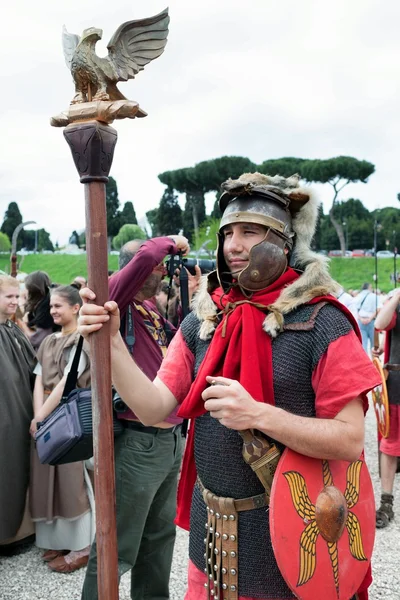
{"x": 151, "y": 285}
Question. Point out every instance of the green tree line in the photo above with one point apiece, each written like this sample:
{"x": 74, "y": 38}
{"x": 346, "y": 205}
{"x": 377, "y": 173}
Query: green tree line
{"x": 348, "y": 224}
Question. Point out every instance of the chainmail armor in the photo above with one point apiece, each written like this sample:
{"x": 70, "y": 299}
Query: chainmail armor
{"x": 218, "y": 450}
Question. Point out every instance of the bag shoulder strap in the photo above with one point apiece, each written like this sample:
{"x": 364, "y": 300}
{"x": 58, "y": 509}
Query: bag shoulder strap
{"x": 127, "y": 329}
{"x": 364, "y": 299}
{"x": 72, "y": 376}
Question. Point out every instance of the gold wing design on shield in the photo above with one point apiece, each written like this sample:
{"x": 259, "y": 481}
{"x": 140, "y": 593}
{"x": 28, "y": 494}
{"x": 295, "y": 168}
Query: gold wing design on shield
{"x": 355, "y": 539}
{"x": 333, "y": 554}
{"x": 301, "y": 500}
{"x": 326, "y": 473}
{"x": 306, "y": 510}
{"x": 352, "y": 491}
{"x": 308, "y": 559}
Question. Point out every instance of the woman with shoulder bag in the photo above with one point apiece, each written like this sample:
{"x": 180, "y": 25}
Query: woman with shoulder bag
{"x": 62, "y": 495}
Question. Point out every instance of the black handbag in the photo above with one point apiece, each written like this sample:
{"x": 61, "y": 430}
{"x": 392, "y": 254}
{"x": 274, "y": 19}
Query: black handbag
{"x": 66, "y": 435}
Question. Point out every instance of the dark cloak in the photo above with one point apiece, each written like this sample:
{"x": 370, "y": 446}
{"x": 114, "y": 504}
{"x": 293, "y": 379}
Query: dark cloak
{"x": 17, "y": 360}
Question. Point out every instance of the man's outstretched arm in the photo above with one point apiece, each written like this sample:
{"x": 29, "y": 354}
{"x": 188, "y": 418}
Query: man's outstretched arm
{"x": 151, "y": 402}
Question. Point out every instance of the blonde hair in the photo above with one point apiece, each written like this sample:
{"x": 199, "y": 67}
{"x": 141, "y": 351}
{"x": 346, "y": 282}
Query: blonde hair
{"x": 8, "y": 281}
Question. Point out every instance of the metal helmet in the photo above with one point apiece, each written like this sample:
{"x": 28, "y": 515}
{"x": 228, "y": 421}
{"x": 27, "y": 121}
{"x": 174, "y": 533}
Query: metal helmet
{"x": 267, "y": 259}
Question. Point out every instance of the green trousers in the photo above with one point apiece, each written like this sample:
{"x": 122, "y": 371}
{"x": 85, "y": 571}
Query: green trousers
{"x": 146, "y": 474}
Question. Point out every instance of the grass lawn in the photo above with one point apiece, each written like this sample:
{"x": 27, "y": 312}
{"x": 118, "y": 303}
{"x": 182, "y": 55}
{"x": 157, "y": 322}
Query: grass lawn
{"x": 351, "y": 273}
{"x": 62, "y": 268}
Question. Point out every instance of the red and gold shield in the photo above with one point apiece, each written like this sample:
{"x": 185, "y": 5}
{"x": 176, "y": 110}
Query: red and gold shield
{"x": 322, "y": 522}
{"x": 381, "y": 401}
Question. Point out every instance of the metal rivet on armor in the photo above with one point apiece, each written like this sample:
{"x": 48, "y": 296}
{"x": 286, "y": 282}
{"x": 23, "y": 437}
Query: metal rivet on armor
{"x": 212, "y": 592}
{"x": 218, "y": 515}
{"x": 254, "y": 275}
{"x": 210, "y": 545}
{"x": 233, "y": 554}
{"x": 211, "y": 530}
{"x": 215, "y": 582}
{"x": 210, "y": 576}
{"x": 211, "y": 511}
{"x": 215, "y": 567}
{"x": 223, "y": 553}
{"x": 217, "y": 534}
{"x": 216, "y": 551}
{"x": 224, "y": 586}
{"x": 224, "y": 571}
{"x": 205, "y": 540}
{"x": 225, "y": 517}
{"x": 206, "y": 525}
{"x": 224, "y": 536}
{"x": 208, "y": 509}
{"x": 205, "y": 571}
{"x": 206, "y": 585}
{"x": 216, "y": 598}
{"x": 233, "y": 588}
{"x": 233, "y": 571}
{"x": 231, "y": 517}
{"x": 233, "y": 537}
{"x": 209, "y": 561}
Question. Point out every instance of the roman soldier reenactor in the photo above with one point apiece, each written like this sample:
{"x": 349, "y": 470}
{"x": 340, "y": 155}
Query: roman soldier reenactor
{"x": 269, "y": 368}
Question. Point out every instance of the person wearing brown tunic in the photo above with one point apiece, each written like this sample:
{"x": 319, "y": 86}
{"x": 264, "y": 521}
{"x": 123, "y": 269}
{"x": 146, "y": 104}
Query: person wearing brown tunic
{"x": 17, "y": 361}
{"x": 61, "y": 496}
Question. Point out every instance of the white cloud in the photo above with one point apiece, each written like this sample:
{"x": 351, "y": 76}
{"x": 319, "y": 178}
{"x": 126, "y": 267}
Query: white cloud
{"x": 262, "y": 79}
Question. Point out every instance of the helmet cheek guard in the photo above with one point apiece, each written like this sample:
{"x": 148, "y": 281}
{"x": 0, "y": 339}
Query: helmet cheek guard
{"x": 267, "y": 262}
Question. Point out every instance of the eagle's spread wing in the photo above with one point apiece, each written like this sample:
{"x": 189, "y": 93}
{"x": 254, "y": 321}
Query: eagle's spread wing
{"x": 136, "y": 43}
{"x": 355, "y": 538}
{"x": 352, "y": 490}
{"x": 308, "y": 559}
{"x": 301, "y": 500}
{"x": 69, "y": 42}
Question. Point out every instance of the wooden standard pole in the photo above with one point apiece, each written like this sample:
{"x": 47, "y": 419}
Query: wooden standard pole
{"x": 92, "y": 145}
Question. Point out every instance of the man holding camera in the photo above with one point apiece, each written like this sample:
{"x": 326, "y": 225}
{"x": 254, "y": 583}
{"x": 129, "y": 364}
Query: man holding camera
{"x": 147, "y": 459}
{"x": 265, "y": 347}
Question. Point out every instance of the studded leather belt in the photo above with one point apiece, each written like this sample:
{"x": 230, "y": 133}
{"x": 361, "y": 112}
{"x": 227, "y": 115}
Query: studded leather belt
{"x": 221, "y": 541}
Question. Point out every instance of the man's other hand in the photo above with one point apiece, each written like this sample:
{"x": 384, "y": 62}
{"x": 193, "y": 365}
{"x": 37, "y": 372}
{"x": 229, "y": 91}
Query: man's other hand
{"x": 181, "y": 242}
{"x": 92, "y": 317}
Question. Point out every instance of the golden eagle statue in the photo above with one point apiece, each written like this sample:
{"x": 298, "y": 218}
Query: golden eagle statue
{"x": 131, "y": 48}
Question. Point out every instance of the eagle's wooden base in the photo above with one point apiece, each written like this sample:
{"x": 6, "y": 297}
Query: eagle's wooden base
{"x": 105, "y": 111}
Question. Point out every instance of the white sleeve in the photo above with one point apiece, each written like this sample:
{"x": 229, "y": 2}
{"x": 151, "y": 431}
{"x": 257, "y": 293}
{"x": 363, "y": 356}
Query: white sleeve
{"x": 38, "y": 369}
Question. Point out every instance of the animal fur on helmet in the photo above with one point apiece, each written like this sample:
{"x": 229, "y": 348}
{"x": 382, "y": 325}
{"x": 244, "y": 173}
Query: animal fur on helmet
{"x": 315, "y": 279}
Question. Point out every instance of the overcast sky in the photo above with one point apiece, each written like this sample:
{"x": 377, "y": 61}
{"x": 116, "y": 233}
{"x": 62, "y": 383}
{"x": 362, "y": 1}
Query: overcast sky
{"x": 262, "y": 79}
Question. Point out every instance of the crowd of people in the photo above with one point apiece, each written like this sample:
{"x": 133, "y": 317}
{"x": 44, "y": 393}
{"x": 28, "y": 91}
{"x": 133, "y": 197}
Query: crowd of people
{"x": 225, "y": 368}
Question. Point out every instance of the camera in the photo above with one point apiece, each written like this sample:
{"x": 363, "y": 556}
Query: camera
{"x": 176, "y": 262}
{"x": 119, "y": 405}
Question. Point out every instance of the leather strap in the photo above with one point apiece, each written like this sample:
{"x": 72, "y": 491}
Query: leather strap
{"x": 391, "y": 367}
{"x": 307, "y": 325}
{"x": 242, "y": 504}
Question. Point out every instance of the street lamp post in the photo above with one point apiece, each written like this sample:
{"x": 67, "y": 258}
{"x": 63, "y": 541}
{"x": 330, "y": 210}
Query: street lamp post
{"x": 14, "y": 246}
{"x": 346, "y": 235}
